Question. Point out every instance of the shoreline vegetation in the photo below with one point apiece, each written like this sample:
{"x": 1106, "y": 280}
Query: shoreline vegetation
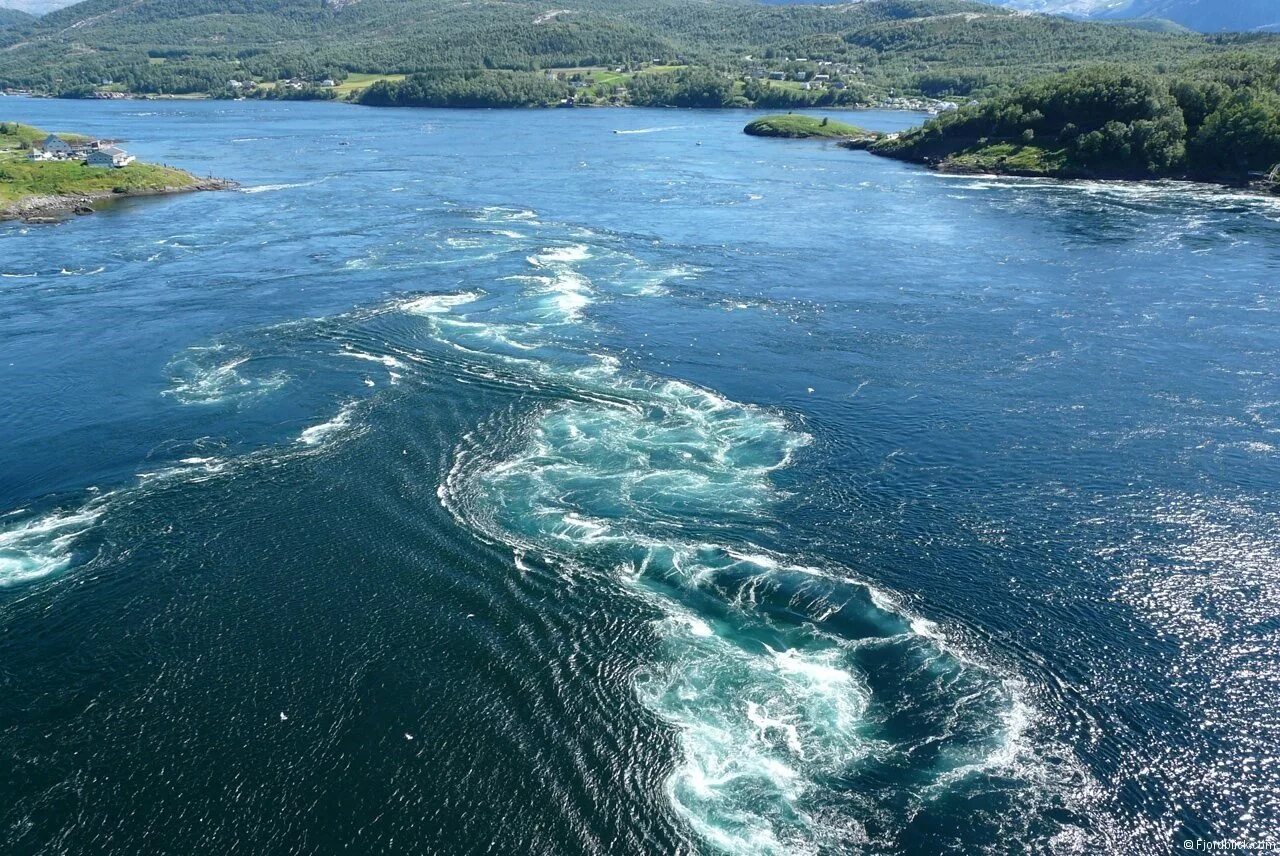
{"x": 44, "y": 191}
{"x": 1112, "y": 122}
{"x": 769, "y": 56}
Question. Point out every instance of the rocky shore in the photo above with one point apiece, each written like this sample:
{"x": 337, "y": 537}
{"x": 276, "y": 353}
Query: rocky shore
{"x": 51, "y": 209}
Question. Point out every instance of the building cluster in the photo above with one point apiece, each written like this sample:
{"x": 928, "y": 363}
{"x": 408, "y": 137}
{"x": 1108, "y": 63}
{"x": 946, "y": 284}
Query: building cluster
{"x": 297, "y": 84}
{"x": 809, "y": 74}
{"x": 95, "y": 153}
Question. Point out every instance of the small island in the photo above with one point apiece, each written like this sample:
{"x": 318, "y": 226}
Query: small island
{"x": 793, "y": 126}
{"x": 45, "y": 177}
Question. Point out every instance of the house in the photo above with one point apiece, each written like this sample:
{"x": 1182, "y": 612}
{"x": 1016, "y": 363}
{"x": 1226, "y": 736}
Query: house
{"x": 777, "y": 75}
{"x": 818, "y": 77}
{"x": 39, "y": 155}
{"x": 109, "y": 156}
{"x": 55, "y": 145}
{"x": 801, "y": 75}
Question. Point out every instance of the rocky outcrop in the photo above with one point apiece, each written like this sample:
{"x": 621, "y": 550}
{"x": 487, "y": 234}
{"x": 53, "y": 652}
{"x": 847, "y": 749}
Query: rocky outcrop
{"x": 46, "y": 209}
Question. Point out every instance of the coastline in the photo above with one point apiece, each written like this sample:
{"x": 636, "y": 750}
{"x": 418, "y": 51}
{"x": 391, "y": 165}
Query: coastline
{"x": 948, "y": 166}
{"x": 56, "y": 208}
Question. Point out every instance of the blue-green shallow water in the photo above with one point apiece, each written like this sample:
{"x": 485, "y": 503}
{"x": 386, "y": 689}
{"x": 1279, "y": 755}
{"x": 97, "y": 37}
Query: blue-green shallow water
{"x": 493, "y": 482}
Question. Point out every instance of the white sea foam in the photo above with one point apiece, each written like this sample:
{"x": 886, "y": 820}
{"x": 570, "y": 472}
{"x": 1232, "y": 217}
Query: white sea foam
{"x": 37, "y": 547}
{"x": 650, "y": 130}
{"x": 560, "y": 255}
{"x": 384, "y": 359}
{"x": 432, "y": 304}
{"x": 327, "y": 431}
{"x": 500, "y": 214}
{"x": 200, "y": 378}
{"x": 273, "y": 188}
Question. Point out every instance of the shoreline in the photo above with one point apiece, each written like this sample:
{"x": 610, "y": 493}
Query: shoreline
{"x": 354, "y": 103}
{"x": 946, "y": 166}
{"x": 55, "y": 209}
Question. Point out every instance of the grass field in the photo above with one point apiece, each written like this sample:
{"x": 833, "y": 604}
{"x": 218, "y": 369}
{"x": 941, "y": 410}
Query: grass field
{"x": 20, "y": 179}
{"x": 794, "y": 126}
{"x": 18, "y": 137}
{"x": 355, "y": 82}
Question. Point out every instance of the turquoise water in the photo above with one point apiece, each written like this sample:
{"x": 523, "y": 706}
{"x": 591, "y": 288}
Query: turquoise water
{"x": 495, "y": 482}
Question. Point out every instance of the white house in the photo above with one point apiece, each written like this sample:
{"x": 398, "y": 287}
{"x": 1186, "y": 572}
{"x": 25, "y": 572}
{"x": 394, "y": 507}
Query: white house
{"x": 109, "y": 156}
{"x": 55, "y": 145}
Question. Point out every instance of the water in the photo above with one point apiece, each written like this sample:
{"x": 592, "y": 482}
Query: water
{"x": 492, "y": 482}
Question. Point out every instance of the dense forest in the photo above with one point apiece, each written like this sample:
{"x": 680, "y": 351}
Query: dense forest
{"x": 932, "y": 47}
{"x": 1216, "y": 120}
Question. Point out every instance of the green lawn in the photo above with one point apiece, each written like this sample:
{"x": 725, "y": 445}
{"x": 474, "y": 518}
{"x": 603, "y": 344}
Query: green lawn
{"x": 18, "y": 137}
{"x": 355, "y": 82}
{"x": 21, "y": 178}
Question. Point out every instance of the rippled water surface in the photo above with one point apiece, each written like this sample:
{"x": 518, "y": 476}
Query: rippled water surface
{"x": 492, "y": 482}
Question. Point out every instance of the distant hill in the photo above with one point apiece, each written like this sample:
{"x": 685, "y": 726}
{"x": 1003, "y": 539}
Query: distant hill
{"x": 1207, "y": 16}
{"x": 1152, "y": 25}
{"x": 14, "y": 18}
{"x": 35, "y": 7}
{"x": 936, "y": 47}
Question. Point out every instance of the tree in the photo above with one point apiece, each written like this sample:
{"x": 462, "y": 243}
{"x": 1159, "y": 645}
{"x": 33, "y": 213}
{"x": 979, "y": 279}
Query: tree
{"x": 1241, "y": 135}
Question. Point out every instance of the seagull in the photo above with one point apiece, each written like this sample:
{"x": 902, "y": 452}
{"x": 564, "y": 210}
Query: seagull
{"x": 283, "y": 718}
{"x": 408, "y": 736}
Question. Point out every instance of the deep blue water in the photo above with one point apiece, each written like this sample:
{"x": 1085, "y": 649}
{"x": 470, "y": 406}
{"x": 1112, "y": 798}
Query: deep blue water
{"x": 494, "y": 482}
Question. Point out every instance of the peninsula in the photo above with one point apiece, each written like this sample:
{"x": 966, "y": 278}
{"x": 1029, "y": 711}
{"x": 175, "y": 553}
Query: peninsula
{"x": 1109, "y": 122}
{"x": 45, "y": 177}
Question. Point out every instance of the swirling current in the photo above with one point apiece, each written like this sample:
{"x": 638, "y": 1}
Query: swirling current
{"x": 698, "y": 502}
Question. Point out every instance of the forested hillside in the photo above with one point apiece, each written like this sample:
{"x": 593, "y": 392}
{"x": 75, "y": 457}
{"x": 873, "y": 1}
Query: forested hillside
{"x": 1216, "y": 120}
{"x": 936, "y": 47}
{"x": 14, "y": 18}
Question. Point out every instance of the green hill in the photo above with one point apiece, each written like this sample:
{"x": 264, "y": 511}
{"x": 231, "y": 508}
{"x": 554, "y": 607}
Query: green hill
{"x": 931, "y": 46}
{"x": 12, "y": 18}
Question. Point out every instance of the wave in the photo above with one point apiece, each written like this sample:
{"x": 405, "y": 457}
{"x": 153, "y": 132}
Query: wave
{"x": 204, "y": 375}
{"x": 433, "y": 304}
{"x": 385, "y": 359}
{"x": 273, "y": 188}
{"x": 38, "y": 547}
{"x": 1124, "y": 192}
{"x": 325, "y": 432}
{"x": 650, "y": 130}
{"x": 561, "y": 255}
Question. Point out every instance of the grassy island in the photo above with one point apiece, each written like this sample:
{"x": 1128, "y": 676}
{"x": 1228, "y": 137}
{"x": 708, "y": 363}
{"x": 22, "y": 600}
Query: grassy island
{"x": 36, "y": 187}
{"x": 796, "y": 127}
{"x": 1113, "y": 123}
